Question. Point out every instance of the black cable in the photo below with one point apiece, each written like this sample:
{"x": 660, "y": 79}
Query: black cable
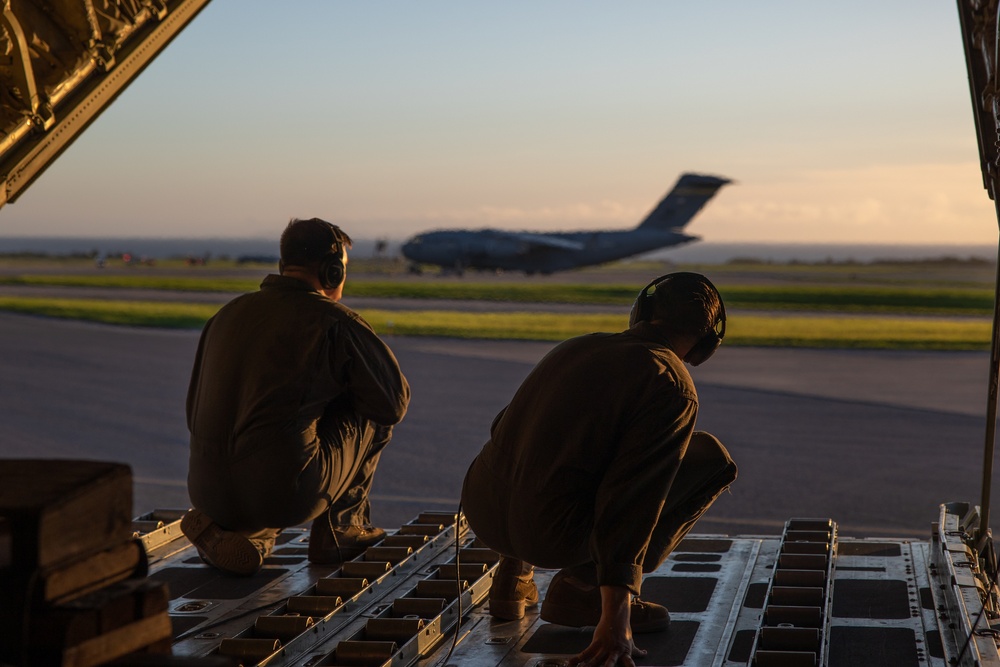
{"x": 458, "y": 585}
{"x": 34, "y": 580}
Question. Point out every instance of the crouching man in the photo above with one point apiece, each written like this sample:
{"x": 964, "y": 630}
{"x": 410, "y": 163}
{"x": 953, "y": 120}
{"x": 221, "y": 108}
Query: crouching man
{"x": 595, "y": 467}
{"x": 292, "y": 399}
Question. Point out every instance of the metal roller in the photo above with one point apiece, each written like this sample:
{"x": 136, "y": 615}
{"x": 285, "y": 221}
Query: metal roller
{"x": 421, "y": 529}
{"x": 254, "y": 649}
{"x": 343, "y": 586}
{"x": 470, "y": 571}
{"x": 790, "y": 639}
{"x": 802, "y": 562}
{"x": 808, "y": 536}
{"x": 281, "y": 627}
{"x": 784, "y": 659}
{"x": 398, "y": 630}
{"x": 810, "y": 524}
{"x": 446, "y": 518}
{"x": 365, "y": 569}
{"x": 797, "y": 596}
{"x": 805, "y": 548}
{"x": 441, "y": 588}
{"x": 167, "y": 516}
{"x": 800, "y": 617}
{"x": 392, "y": 554}
{"x": 412, "y": 541}
{"x": 146, "y": 526}
{"x": 799, "y": 578}
{"x": 363, "y": 653}
{"x": 479, "y": 555}
{"x": 316, "y": 605}
{"x": 422, "y": 607}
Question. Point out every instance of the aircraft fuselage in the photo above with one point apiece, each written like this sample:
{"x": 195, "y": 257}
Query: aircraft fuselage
{"x": 494, "y": 250}
{"x": 544, "y": 252}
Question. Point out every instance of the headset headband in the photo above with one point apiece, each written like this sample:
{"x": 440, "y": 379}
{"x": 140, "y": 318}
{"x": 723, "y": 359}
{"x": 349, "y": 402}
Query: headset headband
{"x": 710, "y": 340}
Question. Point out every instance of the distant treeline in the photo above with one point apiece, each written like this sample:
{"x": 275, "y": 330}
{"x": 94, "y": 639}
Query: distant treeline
{"x": 124, "y": 257}
{"x": 945, "y": 260}
{"x": 203, "y": 258}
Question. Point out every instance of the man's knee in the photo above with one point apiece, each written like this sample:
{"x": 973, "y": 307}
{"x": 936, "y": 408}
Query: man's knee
{"x": 709, "y": 454}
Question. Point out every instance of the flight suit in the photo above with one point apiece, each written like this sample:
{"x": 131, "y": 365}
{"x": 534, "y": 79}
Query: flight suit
{"x": 596, "y": 461}
{"x": 292, "y": 398}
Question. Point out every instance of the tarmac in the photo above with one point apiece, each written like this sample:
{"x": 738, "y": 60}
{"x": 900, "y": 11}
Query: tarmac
{"x": 874, "y": 440}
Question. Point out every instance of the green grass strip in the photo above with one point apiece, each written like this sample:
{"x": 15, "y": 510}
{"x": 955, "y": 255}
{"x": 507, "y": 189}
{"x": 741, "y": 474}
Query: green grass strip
{"x": 136, "y": 281}
{"x": 824, "y": 332}
{"x": 127, "y": 313}
{"x": 969, "y": 301}
{"x": 859, "y": 299}
{"x": 494, "y": 326}
{"x": 875, "y": 332}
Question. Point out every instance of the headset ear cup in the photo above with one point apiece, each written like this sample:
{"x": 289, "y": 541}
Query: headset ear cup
{"x": 642, "y": 304}
{"x": 703, "y": 349}
{"x": 331, "y": 271}
{"x": 633, "y": 315}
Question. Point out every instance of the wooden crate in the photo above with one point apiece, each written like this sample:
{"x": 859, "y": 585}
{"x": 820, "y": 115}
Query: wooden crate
{"x": 54, "y": 510}
{"x": 100, "y": 627}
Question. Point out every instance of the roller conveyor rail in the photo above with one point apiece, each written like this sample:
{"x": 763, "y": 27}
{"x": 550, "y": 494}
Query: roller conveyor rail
{"x": 810, "y": 596}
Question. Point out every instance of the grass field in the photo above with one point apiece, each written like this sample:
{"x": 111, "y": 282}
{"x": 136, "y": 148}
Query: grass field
{"x": 942, "y": 305}
{"x": 888, "y": 332}
{"x": 849, "y": 298}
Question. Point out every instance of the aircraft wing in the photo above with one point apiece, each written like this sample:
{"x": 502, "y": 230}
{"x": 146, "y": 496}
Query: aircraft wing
{"x": 66, "y": 61}
{"x": 544, "y": 240}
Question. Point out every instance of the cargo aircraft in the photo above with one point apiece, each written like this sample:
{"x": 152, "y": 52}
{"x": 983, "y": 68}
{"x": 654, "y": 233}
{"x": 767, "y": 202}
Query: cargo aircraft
{"x": 546, "y": 252}
{"x": 80, "y": 585}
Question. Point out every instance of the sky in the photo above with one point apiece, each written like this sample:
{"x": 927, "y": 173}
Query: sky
{"x": 846, "y": 122}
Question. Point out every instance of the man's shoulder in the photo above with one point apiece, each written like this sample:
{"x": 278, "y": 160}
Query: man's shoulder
{"x": 619, "y": 344}
{"x": 618, "y": 350}
{"x": 284, "y": 293}
{"x": 645, "y": 357}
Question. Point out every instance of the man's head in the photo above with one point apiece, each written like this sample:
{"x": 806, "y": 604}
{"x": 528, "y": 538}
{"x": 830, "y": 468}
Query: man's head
{"x": 684, "y": 306}
{"x": 315, "y": 248}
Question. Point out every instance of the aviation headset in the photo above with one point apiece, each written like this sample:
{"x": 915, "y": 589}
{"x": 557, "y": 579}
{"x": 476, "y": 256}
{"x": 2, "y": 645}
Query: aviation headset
{"x": 331, "y": 268}
{"x": 710, "y": 341}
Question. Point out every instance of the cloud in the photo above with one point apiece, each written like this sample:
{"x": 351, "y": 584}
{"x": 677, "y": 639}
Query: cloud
{"x": 919, "y": 203}
{"x": 606, "y": 213}
{"x": 924, "y": 203}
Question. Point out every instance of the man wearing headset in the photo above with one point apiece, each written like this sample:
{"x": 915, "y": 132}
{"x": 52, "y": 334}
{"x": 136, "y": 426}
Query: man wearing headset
{"x": 595, "y": 467}
{"x": 292, "y": 399}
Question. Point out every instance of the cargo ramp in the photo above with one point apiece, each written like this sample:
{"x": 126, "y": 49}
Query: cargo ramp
{"x": 420, "y": 597}
{"x": 807, "y": 597}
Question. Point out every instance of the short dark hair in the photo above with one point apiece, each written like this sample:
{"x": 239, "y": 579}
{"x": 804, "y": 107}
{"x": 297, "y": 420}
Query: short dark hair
{"x": 306, "y": 242}
{"x": 686, "y": 303}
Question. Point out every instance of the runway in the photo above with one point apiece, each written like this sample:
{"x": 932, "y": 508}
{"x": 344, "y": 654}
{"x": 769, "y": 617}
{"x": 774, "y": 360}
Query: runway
{"x": 873, "y": 440}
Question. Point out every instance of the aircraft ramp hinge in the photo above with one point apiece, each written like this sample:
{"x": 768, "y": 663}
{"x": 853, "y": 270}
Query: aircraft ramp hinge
{"x": 43, "y": 117}
{"x": 158, "y": 7}
{"x": 103, "y": 54}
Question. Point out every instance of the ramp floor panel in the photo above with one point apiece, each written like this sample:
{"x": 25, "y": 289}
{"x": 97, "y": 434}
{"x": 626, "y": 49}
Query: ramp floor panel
{"x": 883, "y": 604}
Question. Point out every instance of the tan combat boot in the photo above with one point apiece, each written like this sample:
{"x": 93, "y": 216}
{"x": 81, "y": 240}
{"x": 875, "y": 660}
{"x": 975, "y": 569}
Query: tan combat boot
{"x": 332, "y": 546}
{"x": 223, "y": 549}
{"x": 513, "y": 589}
{"x": 572, "y": 601}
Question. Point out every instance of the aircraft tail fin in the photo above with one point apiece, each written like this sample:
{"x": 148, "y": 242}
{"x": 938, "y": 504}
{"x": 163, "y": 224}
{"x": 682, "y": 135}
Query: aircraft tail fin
{"x": 685, "y": 199}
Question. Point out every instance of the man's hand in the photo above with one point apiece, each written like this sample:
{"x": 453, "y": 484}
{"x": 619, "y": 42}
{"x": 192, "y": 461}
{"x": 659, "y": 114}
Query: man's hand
{"x": 612, "y": 643}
